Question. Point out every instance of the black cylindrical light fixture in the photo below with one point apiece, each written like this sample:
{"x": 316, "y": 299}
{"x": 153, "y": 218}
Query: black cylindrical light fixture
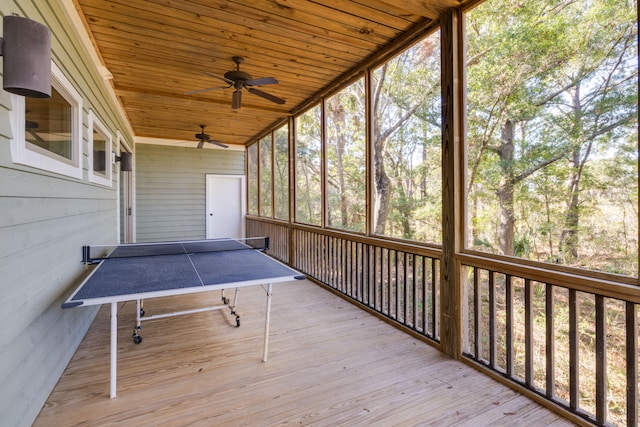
{"x": 126, "y": 160}
{"x": 26, "y": 48}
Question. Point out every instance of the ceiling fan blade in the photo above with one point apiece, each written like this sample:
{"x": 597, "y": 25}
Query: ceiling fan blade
{"x": 191, "y": 92}
{"x": 218, "y": 143}
{"x": 224, "y": 79}
{"x": 236, "y": 100}
{"x": 266, "y": 95}
{"x": 261, "y": 81}
{"x": 35, "y": 136}
{"x": 201, "y": 143}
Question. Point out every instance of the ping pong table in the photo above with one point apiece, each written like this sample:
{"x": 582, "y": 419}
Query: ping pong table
{"x": 141, "y": 271}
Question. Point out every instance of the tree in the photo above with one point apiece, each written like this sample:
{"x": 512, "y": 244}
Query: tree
{"x": 600, "y": 100}
{"x": 548, "y": 80}
{"x": 345, "y": 154}
{"x": 406, "y": 108}
{"x": 308, "y": 167}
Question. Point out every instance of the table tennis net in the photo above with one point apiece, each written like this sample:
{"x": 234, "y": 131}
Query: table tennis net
{"x": 93, "y": 254}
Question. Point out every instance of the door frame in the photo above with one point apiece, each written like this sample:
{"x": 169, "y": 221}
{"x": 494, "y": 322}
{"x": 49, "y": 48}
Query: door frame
{"x": 126, "y": 194}
{"x": 243, "y": 200}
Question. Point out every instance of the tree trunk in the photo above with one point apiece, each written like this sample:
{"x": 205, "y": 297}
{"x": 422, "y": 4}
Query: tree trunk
{"x": 382, "y": 185}
{"x": 570, "y": 232}
{"x": 569, "y": 238}
{"x": 344, "y": 200}
{"x": 506, "y": 190}
{"x": 336, "y": 116}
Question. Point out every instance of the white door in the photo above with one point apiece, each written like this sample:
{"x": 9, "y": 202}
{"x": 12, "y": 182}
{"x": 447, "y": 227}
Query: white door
{"x": 226, "y": 206}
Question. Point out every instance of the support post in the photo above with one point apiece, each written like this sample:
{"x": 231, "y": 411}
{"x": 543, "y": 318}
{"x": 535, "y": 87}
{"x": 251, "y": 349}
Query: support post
{"x": 114, "y": 350}
{"x": 267, "y": 321}
{"x": 452, "y": 183}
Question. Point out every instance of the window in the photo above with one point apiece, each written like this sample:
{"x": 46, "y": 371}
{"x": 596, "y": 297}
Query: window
{"x": 406, "y": 144}
{"x": 552, "y": 168}
{"x": 281, "y": 173}
{"x": 346, "y": 161}
{"x": 48, "y": 132}
{"x": 252, "y": 181}
{"x": 309, "y": 167}
{"x": 268, "y": 171}
{"x": 99, "y": 151}
{"x": 266, "y": 174}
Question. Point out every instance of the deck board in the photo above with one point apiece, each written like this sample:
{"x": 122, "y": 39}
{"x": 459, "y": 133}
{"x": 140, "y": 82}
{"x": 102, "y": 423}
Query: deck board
{"x": 330, "y": 363}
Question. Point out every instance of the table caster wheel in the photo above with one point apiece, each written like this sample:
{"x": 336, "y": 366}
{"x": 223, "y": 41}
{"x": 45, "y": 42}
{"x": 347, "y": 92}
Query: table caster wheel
{"x": 137, "y": 339}
{"x": 238, "y": 321}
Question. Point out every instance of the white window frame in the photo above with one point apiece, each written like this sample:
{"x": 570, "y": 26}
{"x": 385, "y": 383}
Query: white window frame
{"x": 25, "y": 153}
{"x": 95, "y": 124}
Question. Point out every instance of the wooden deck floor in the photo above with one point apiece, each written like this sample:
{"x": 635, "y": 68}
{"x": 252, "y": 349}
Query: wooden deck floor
{"x": 330, "y": 364}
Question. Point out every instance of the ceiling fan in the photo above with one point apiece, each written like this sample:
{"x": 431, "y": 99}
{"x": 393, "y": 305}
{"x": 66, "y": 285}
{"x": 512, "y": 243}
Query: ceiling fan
{"x": 31, "y": 128}
{"x": 203, "y": 137}
{"x": 240, "y": 80}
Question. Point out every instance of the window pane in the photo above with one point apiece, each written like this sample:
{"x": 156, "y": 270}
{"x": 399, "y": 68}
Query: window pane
{"x": 265, "y": 177}
{"x": 345, "y": 139}
{"x": 281, "y": 173}
{"x": 252, "y": 179}
{"x": 552, "y": 132}
{"x": 406, "y": 141}
{"x": 48, "y": 124}
{"x": 99, "y": 154}
{"x": 308, "y": 167}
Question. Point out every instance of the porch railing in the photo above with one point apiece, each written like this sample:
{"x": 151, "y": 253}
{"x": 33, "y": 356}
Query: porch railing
{"x": 570, "y": 340}
{"x": 557, "y": 336}
{"x": 400, "y": 282}
{"x": 278, "y": 233}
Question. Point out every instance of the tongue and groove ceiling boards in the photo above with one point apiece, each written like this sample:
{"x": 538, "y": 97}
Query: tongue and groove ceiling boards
{"x": 159, "y": 52}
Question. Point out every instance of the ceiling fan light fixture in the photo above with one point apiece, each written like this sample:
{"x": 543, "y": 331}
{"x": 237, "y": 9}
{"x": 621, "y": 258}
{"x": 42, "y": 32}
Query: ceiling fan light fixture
{"x": 236, "y": 100}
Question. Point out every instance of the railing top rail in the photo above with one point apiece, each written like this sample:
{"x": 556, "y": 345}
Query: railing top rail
{"x": 409, "y": 247}
{"x": 594, "y": 285}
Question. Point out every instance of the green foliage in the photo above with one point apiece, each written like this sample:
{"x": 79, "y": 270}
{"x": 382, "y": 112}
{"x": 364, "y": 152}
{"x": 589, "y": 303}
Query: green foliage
{"x": 265, "y": 147}
{"x": 407, "y": 144}
{"x": 309, "y": 167}
{"x": 345, "y": 151}
{"x": 552, "y": 100}
{"x": 522, "y": 246}
{"x": 281, "y": 173}
{"x": 252, "y": 179}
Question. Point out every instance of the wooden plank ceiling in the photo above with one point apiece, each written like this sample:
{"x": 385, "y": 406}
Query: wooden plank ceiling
{"x": 157, "y": 50}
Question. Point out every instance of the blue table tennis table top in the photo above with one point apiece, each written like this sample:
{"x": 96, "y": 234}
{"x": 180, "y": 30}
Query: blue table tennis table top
{"x": 137, "y": 270}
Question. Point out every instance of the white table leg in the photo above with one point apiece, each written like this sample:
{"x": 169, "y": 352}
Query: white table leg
{"x": 114, "y": 349}
{"x": 267, "y": 320}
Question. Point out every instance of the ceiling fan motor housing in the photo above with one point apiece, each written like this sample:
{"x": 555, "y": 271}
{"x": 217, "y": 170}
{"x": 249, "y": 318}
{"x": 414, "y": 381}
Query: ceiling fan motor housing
{"x": 202, "y": 135}
{"x": 238, "y": 77}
